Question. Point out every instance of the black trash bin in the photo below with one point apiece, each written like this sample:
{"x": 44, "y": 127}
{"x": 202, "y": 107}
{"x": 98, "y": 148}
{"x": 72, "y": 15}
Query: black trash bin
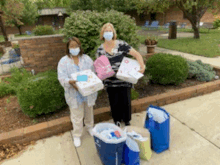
{"x": 172, "y": 30}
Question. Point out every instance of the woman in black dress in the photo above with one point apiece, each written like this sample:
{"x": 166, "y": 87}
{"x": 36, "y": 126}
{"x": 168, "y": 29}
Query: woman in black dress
{"x": 119, "y": 92}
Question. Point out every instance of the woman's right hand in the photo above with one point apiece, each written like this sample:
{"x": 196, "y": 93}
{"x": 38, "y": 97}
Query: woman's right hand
{"x": 73, "y": 83}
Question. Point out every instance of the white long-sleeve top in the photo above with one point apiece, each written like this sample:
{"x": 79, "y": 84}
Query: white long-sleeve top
{"x": 65, "y": 68}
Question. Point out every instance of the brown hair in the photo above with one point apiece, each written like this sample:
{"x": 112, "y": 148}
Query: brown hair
{"x": 79, "y": 44}
{"x": 103, "y": 29}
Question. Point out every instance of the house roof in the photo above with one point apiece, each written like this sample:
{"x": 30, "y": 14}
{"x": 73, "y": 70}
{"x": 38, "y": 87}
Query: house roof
{"x": 53, "y": 11}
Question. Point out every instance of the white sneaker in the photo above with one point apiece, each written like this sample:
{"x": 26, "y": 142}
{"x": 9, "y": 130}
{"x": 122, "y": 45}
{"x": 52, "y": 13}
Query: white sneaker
{"x": 77, "y": 141}
{"x": 90, "y": 131}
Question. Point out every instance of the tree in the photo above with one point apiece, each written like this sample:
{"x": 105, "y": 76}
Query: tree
{"x": 2, "y": 4}
{"x": 20, "y": 12}
{"x": 102, "y": 5}
{"x": 52, "y": 3}
{"x": 192, "y": 9}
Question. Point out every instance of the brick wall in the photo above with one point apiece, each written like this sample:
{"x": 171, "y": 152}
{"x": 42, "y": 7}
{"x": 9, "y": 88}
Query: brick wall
{"x": 174, "y": 13}
{"x": 42, "y": 52}
{"x": 14, "y": 30}
{"x": 6, "y": 44}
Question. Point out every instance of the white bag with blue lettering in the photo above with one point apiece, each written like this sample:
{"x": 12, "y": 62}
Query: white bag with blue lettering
{"x": 110, "y": 150}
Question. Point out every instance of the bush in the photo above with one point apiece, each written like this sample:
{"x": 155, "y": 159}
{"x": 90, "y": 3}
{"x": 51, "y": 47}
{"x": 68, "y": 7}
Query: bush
{"x": 86, "y": 25}
{"x": 17, "y": 76}
{"x": 201, "y": 71}
{"x": 6, "y": 89}
{"x": 9, "y": 85}
{"x": 41, "y": 94}
{"x": 43, "y": 30}
{"x": 216, "y": 23}
{"x": 134, "y": 94}
{"x": 167, "y": 69}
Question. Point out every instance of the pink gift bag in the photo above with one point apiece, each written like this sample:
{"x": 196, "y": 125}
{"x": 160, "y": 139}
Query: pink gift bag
{"x": 103, "y": 67}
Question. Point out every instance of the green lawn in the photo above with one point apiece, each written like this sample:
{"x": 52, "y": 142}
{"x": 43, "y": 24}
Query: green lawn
{"x": 208, "y": 45}
{"x": 142, "y": 38}
{"x": 23, "y": 35}
{"x": 1, "y": 38}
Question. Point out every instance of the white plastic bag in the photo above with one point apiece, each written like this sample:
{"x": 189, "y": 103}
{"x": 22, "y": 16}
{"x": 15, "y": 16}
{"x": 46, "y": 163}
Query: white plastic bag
{"x": 132, "y": 145}
{"x": 158, "y": 116}
{"x": 99, "y": 128}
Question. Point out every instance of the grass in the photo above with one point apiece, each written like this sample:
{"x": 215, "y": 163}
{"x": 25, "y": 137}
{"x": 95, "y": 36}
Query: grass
{"x": 208, "y": 45}
{"x": 142, "y": 38}
{"x": 25, "y": 35}
{"x": 1, "y": 54}
{"x": 1, "y": 38}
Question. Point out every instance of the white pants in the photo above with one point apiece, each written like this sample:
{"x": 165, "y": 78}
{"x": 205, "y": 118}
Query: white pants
{"x": 77, "y": 115}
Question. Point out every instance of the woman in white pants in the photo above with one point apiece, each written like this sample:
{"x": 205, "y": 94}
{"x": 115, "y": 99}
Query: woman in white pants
{"x": 80, "y": 107}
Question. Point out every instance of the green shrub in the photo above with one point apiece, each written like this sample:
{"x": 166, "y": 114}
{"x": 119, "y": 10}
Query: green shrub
{"x": 216, "y": 23}
{"x": 6, "y": 89}
{"x": 201, "y": 71}
{"x": 86, "y": 25}
{"x": 134, "y": 94}
{"x": 17, "y": 76}
{"x": 167, "y": 69}
{"x": 41, "y": 94}
{"x": 43, "y": 30}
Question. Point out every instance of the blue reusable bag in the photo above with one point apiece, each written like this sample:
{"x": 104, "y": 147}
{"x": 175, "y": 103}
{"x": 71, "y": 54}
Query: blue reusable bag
{"x": 131, "y": 153}
{"x": 160, "y": 132}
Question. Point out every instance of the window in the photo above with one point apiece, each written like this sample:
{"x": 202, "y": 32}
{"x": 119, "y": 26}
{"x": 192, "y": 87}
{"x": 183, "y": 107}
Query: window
{"x": 55, "y": 20}
{"x": 40, "y": 21}
{"x": 153, "y": 16}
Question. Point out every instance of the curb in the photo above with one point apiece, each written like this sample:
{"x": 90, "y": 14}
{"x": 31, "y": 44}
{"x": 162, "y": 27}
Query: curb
{"x": 57, "y": 126}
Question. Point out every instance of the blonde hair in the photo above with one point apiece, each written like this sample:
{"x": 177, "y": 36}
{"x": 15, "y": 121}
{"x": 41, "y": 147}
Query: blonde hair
{"x": 103, "y": 29}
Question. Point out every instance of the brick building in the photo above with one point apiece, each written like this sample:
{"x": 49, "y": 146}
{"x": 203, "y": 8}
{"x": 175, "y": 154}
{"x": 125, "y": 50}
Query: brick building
{"x": 54, "y": 17}
{"x": 173, "y": 13}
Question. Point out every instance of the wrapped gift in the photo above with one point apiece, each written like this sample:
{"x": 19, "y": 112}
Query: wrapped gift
{"x": 92, "y": 85}
{"x": 103, "y": 67}
{"x": 128, "y": 65}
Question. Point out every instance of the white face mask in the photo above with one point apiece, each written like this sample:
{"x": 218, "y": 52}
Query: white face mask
{"x": 108, "y": 35}
{"x": 74, "y": 52}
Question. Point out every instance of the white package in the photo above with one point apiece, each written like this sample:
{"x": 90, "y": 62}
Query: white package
{"x": 136, "y": 74}
{"x": 92, "y": 85}
{"x": 128, "y": 65}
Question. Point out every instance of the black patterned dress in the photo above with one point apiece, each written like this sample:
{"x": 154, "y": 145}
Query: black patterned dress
{"x": 119, "y": 92}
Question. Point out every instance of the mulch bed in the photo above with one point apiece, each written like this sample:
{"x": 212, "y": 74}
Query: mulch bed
{"x": 12, "y": 117}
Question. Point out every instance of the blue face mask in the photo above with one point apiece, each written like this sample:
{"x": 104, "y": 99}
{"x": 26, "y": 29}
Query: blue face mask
{"x": 108, "y": 35}
{"x": 74, "y": 52}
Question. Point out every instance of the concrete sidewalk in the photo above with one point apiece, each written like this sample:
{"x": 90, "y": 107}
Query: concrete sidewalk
{"x": 195, "y": 139}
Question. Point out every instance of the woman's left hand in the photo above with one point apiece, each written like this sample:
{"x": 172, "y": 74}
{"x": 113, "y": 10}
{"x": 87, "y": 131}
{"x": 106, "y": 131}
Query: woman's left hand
{"x": 142, "y": 70}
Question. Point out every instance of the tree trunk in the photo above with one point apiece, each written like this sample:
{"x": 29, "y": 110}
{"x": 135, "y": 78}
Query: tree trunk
{"x": 196, "y": 32}
{"x": 19, "y": 28}
{"x": 3, "y": 29}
